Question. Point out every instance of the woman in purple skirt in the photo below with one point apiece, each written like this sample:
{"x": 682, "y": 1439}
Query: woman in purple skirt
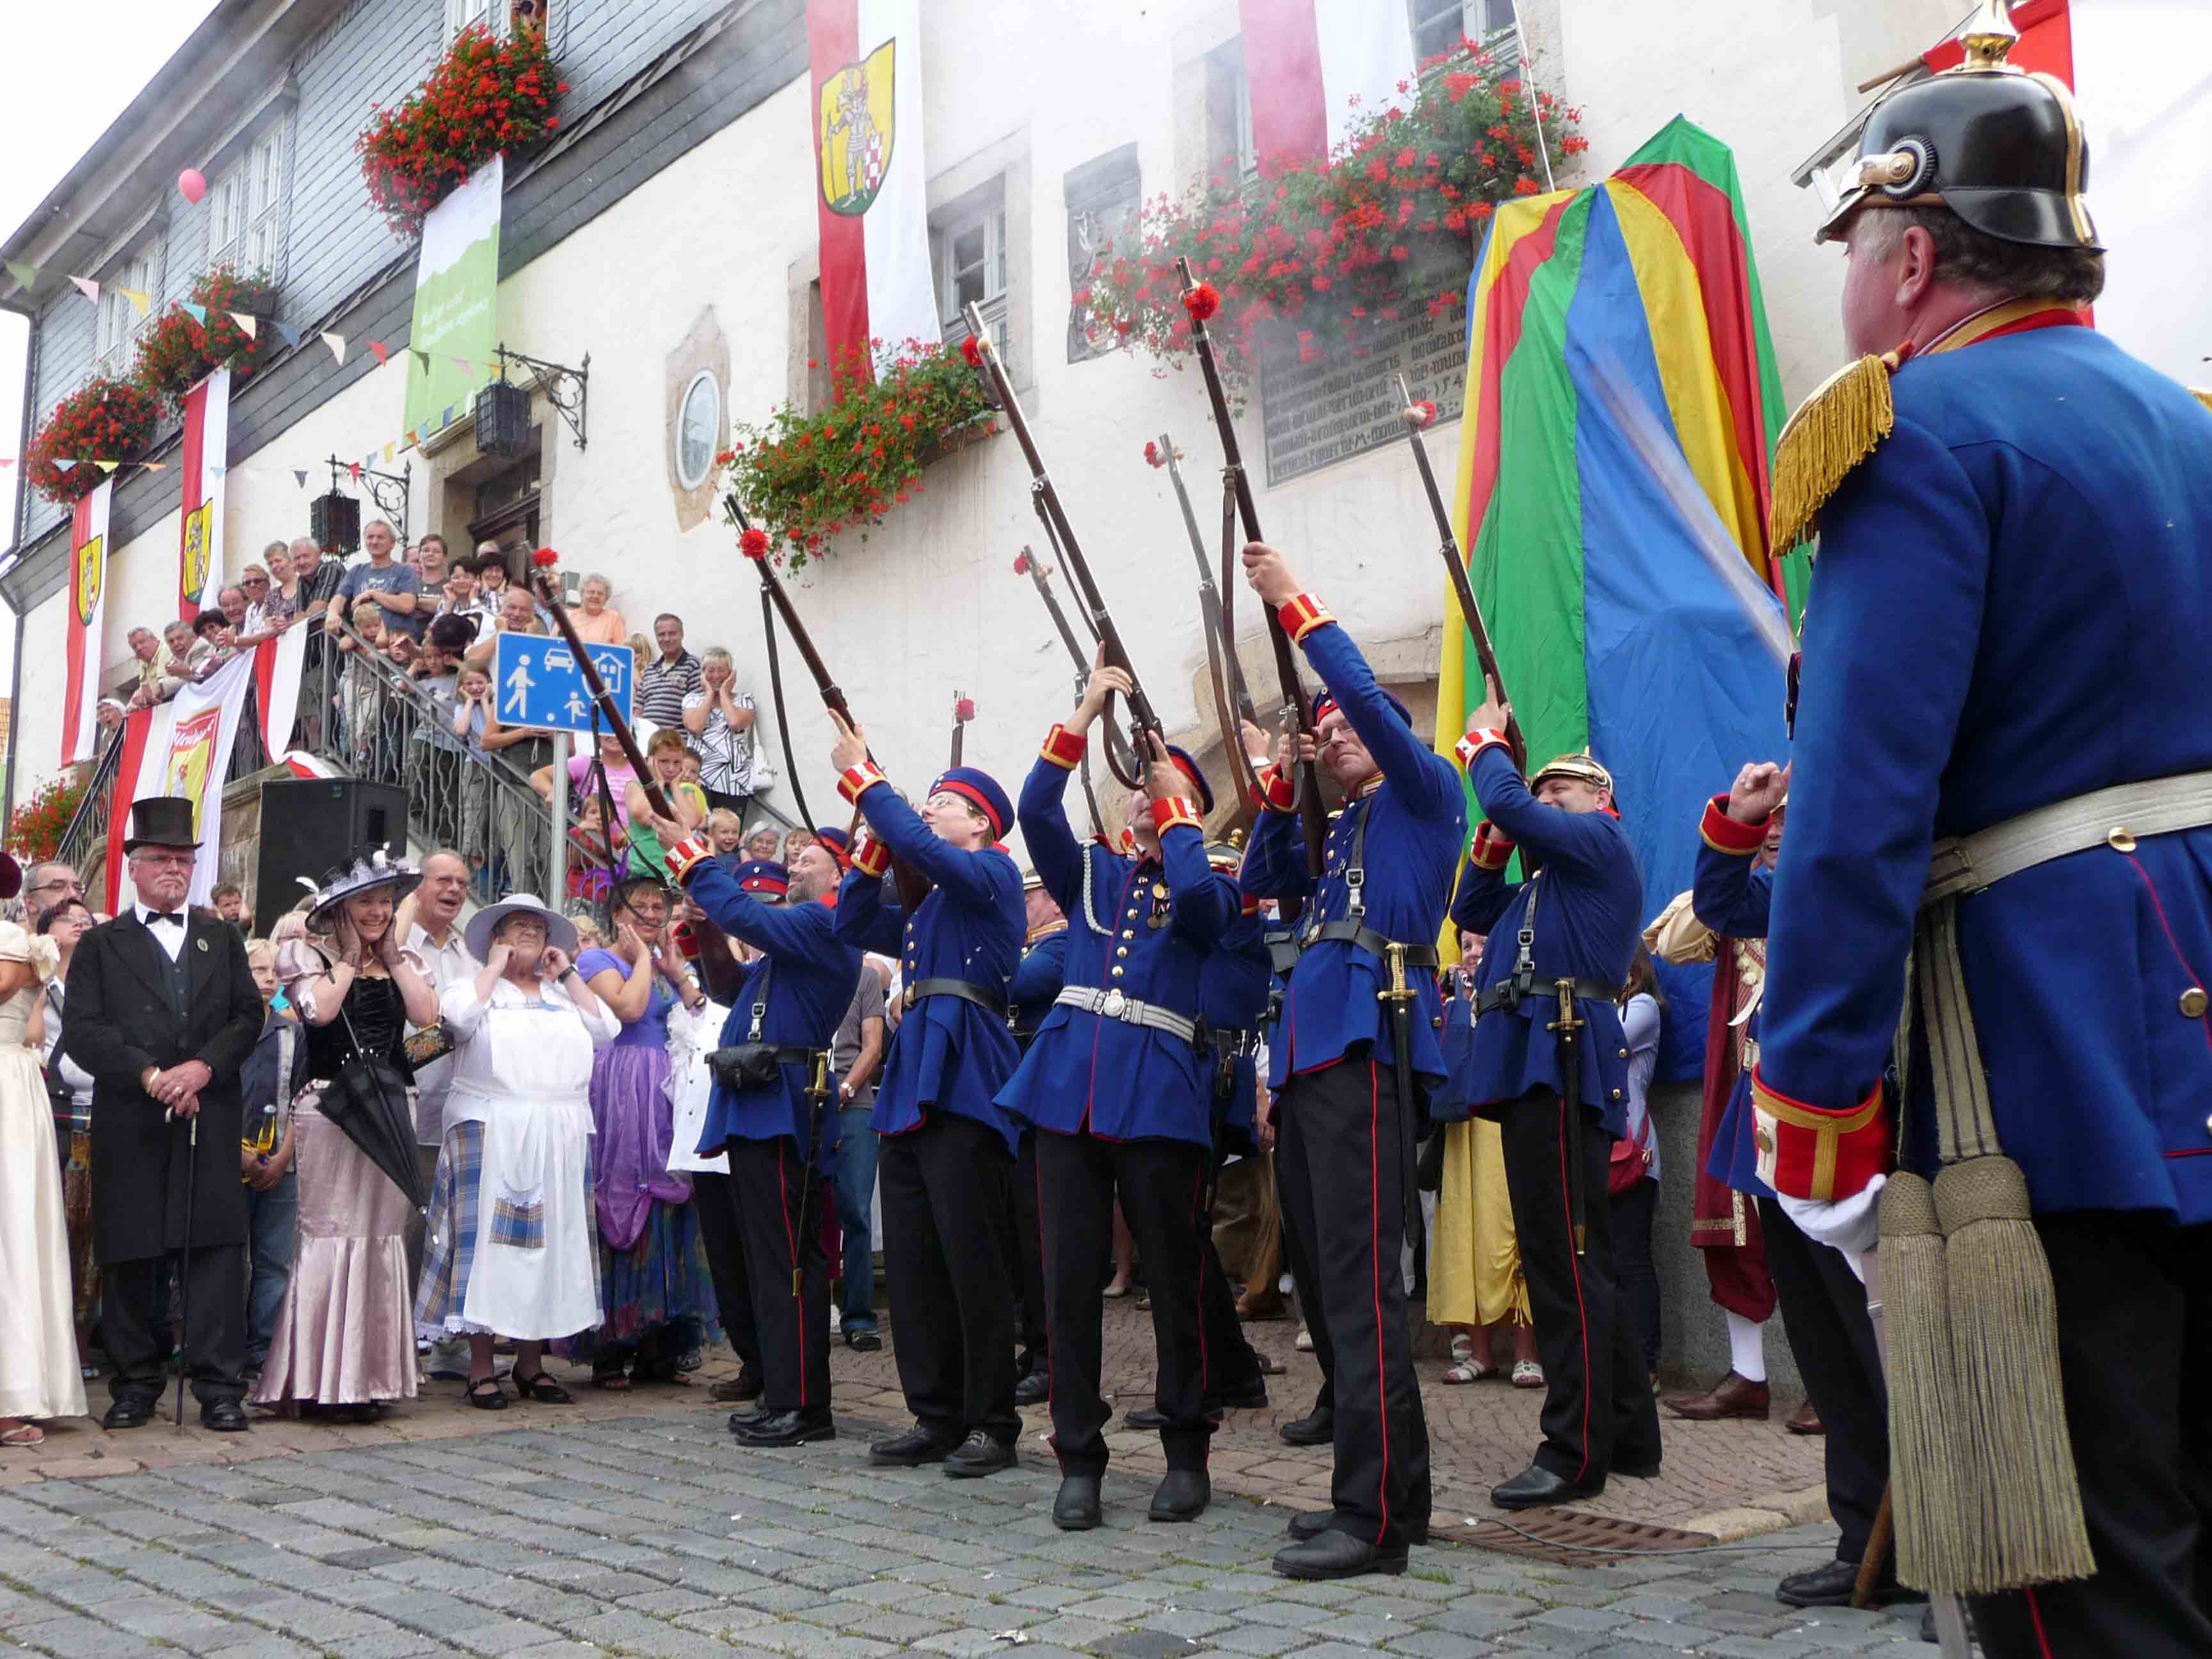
{"x": 654, "y": 1283}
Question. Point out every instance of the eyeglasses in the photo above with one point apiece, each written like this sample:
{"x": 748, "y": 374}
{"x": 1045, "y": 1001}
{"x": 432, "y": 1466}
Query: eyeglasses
{"x": 253, "y": 581}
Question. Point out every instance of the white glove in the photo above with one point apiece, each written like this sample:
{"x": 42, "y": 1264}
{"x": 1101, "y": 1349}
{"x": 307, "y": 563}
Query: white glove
{"x": 1850, "y": 1224}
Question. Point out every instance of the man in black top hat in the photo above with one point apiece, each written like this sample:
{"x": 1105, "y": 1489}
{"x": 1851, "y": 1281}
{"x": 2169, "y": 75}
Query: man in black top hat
{"x": 163, "y": 1012}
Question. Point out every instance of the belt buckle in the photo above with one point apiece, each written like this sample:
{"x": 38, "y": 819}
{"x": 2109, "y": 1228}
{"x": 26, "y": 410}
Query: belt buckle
{"x": 1112, "y": 1005}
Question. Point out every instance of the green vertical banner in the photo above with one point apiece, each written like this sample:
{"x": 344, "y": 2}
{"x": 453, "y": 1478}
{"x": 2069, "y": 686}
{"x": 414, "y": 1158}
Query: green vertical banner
{"x": 455, "y": 335}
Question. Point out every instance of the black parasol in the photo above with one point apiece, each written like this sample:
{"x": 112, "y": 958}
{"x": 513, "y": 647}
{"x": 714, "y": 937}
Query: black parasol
{"x": 368, "y": 1104}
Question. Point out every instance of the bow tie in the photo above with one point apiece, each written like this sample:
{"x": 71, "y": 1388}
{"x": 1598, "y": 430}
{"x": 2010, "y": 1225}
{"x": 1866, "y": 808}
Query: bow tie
{"x": 155, "y": 918}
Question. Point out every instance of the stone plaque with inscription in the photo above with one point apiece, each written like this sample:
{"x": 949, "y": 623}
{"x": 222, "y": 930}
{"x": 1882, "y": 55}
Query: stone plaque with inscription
{"x": 1341, "y": 405}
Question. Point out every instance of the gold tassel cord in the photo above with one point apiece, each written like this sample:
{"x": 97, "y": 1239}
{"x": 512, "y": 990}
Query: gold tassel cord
{"x": 2011, "y": 1407}
{"x": 1832, "y": 431}
{"x": 1932, "y": 1466}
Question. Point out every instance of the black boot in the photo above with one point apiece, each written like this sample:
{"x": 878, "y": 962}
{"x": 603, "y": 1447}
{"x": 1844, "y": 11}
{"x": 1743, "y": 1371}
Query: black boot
{"x": 1334, "y": 1554}
{"x": 910, "y": 1450}
{"x": 1075, "y": 1508}
{"x": 1181, "y": 1495}
{"x": 745, "y": 1385}
{"x": 1317, "y": 1428}
{"x": 787, "y": 1428}
{"x": 746, "y": 1417}
{"x": 1034, "y": 1388}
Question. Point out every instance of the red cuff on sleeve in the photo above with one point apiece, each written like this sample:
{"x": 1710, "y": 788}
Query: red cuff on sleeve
{"x": 1474, "y": 742}
{"x": 1064, "y": 749}
{"x": 859, "y": 779}
{"x": 870, "y": 856}
{"x": 1725, "y": 834}
{"x": 1179, "y": 810}
{"x": 687, "y": 854}
{"x": 1276, "y": 790}
{"x": 1809, "y": 1152}
{"x": 1491, "y": 850}
{"x": 1302, "y": 615}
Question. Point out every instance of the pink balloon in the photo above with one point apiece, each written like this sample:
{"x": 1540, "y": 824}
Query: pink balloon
{"x": 193, "y": 184}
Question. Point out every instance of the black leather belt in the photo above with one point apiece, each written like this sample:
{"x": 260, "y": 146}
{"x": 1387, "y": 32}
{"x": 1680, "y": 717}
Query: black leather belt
{"x": 1293, "y": 945}
{"x": 1508, "y": 994}
{"x": 966, "y": 991}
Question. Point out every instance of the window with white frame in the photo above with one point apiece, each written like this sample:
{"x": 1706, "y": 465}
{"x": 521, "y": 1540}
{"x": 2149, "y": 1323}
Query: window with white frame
{"x": 246, "y": 230}
{"x": 969, "y": 247}
{"x": 121, "y": 320}
{"x": 460, "y": 14}
{"x": 1439, "y": 24}
{"x": 1228, "y": 114}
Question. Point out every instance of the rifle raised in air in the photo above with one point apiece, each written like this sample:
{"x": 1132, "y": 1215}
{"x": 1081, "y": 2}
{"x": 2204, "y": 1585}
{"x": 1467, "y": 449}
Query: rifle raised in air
{"x": 1034, "y": 568}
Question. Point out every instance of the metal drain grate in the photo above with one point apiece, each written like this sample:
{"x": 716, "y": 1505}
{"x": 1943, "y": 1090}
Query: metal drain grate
{"x": 1568, "y": 1536}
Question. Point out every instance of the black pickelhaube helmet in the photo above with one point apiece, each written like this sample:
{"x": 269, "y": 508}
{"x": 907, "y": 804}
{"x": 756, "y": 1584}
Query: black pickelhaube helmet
{"x": 2002, "y": 149}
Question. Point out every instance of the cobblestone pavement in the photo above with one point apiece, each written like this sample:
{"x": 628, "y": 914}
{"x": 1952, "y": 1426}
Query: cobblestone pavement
{"x": 562, "y": 1537}
{"x": 1729, "y": 1478}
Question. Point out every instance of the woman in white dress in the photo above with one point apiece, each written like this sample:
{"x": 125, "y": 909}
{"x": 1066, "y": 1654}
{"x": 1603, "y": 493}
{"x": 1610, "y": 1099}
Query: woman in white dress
{"x": 509, "y": 1249}
{"x": 38, "y": 1367}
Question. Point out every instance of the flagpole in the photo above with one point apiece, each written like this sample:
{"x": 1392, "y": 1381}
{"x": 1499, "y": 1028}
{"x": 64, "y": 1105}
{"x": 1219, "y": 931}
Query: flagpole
{"x": 1528, "y": 84}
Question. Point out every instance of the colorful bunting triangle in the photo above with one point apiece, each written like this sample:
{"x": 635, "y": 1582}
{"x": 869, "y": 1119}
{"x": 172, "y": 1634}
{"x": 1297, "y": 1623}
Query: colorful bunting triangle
{"x": 422, "y": 359}
{"x": 197, "y": 314}
{"x": 383, "y": 351}
{"x": 107, "y": 466}
{"x": 25, "y": 275}
{"x": 387, "y": 454}
{"x": 337, "y": 343}
{"x": 465, "y": 365}
{"x": 87, "y": 286}
{"x": 140, "y": 303}
{"x": 246, "y": 321}
{"x": 299, "y": 476}
{"x": 286, "y": 332}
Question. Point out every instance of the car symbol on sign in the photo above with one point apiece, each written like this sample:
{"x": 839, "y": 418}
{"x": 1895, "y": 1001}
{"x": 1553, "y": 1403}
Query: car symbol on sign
{"x": 558, "y": 660}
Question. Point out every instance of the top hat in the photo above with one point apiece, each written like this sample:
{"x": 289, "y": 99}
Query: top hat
{"x": 161, "y": 821}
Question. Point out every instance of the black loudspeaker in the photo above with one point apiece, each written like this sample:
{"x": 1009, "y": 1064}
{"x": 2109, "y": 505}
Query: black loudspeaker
{"x": 334, "y": 520}
{"x": 310, "y": 826}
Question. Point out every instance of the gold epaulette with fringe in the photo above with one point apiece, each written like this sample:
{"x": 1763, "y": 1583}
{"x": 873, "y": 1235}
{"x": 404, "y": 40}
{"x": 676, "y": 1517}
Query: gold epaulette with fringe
{"x": 1832, "y": 431}
{"x": 2203, "y": 394}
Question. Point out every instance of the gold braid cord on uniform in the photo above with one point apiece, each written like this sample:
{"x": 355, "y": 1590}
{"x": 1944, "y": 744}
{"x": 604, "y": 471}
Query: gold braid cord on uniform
{"x": 1832, "y": 431}
{"x": 2203, "y": 394}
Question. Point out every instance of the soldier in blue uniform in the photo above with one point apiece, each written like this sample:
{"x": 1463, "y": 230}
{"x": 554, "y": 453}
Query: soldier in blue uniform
{"x": 1823, "y": 1304}
{"x": 1116, "y": 1088}
{"x": 772, "y": 1111}
{"x": 946, "y": 1147}
{"x": 2010, "y": 618}
{"x": 1561, "y": 939}
{"x": 1029, "y": 995}
{"x": 1345, "y": 1130}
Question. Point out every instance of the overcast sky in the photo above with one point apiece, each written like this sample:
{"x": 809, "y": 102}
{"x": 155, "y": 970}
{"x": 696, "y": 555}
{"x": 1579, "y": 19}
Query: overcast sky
{"x": 60, "y": 98}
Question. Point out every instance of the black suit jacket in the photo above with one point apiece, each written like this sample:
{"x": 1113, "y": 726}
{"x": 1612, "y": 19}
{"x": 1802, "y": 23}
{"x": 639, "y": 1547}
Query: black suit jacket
{"x": 120, "y": 1019}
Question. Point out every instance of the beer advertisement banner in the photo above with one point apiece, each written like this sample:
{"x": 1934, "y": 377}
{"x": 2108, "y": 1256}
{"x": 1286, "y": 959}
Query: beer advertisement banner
{"x": 87, "y": 606}
{"x": 207, "y": 450}
{"x": 182, "y": 747}
{"x": 455, "y": 334}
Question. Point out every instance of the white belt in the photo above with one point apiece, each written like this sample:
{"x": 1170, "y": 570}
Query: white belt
{"x": 1112, "y": 1005}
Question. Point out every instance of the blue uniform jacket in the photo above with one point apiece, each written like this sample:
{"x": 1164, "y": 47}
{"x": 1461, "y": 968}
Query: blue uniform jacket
{"x": 1143, "y": 926}
{"x": 1037, "y": 979}
{"x": 1233, "y": 989}
{"x": 1449, "y": 1102}
{"x": 2011, "y": 607}
{"x": 1416, "y": 823}
{"x": 947, "y": 1052}
{"x": 1734, "y": 900}
{"x": 814, "y": 978}
{"x": 1589, "y": 919}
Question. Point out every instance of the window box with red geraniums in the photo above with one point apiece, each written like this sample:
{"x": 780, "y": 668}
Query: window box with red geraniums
{"x": 103, "y": 420}
{"x": 809, "y": 477}
{"x": 34, "y": 834}
{"x": 485, "y": 97}
{"x": 1324, "y": 252}
{"x": 176, "y": 352}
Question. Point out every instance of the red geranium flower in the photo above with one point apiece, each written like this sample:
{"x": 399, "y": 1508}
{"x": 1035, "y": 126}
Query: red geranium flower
{"x": 972, "y": 351}
{"x": 753, "y": 542}
{"x": 544, "y": 558}
{"x": 1421, "y": 414}
{"x": 1202, "y": 301}
{"x": 1022, "y": 562}
{"x": 1153, "y": 456}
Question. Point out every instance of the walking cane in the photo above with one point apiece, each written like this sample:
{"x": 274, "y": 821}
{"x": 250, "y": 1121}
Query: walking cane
{"x": 185, "y": 1256}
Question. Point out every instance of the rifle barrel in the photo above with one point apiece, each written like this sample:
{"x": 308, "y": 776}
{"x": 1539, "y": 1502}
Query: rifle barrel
{"x": 597, "y": 687}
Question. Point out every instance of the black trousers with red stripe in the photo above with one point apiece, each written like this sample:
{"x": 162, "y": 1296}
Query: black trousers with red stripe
{"x": 1598, "y": 1405}
{"x": 1338, "y": 1173}
{"x": 769, "y": 1182}
{"x": 1162, "y": 1184}
{"x": 719, "y": 1231}
{"x": 1231, "y": 1362}
{"x": 1028, "y": 1252}
{"x": 2135, "y": 1354}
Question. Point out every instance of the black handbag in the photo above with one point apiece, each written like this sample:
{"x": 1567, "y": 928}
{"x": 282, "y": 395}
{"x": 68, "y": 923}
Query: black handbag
{"x": 752, "y": 1064}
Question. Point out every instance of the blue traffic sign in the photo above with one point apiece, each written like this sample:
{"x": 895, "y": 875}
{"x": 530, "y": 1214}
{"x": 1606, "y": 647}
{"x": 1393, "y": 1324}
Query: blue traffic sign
{"x": 537, "y": 681}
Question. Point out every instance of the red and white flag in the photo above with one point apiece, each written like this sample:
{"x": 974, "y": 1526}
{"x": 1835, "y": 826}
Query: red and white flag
{"x": 207, "y": 451}
{"x": 1317, "y": 68}
{"x": 278, "y": 665}
{"x": 182, "y": 747}
{"x": 88, "y": 610}
{"x": 870, "y": 185}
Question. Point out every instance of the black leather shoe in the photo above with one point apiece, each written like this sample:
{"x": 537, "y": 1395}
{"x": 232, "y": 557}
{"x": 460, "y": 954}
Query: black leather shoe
{"x": 1333, "y": 1554}
{"x": 1313, "y": 1523}
{"x": 1075, "y": 1507}
{"x": 863, "y": 1340}
{"x": 1181, "y": 1495}
{"x": 1831, "y": 1584}
{"x": 129, "y": 1414}
{"x": 746, "y": 1417}
{"x": 224, "y": 1417}
{"x": 745, "y": 1385}
{"x": 1147, "y": 1417}
{"x": 977, "y": 1455}
{"x": 1536, "y": 1486}
{"x": 1317, "y": 1428}
{"x": 787, "y": 1428}
{"x": 1646, "y": 1471}
{"x": 1034, "y": 1388}
{"x": 910, "y": 1450}
{"x": 1248, "y": 1396}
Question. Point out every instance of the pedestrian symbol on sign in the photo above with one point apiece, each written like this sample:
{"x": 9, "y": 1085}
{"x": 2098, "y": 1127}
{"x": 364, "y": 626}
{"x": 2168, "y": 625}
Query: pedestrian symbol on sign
{"x": 518, "y": 688}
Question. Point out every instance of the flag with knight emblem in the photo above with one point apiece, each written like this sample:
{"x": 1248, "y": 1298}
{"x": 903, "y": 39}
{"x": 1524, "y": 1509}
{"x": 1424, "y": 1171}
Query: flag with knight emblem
{"x": 870, "y": 188}
{"x": 207, "y": 448}
{"x": 87, "y": 608}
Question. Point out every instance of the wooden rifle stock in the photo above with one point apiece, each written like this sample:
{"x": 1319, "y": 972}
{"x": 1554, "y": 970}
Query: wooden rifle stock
{"x": 1143, "y": 720}
{"x": 1313, "y": 818}
{"x": 1485, "y": 653}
